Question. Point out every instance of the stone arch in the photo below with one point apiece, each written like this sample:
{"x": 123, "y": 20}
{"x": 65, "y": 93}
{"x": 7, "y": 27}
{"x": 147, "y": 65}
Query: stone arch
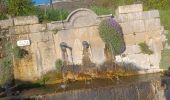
{"x": 82, "y": 17}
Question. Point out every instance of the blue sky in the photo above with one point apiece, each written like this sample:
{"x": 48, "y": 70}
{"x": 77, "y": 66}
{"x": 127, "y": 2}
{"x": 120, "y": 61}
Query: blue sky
{"x": 41, "y": 1}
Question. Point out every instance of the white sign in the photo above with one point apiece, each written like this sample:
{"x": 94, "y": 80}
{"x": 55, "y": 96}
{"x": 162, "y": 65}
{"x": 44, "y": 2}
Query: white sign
{"x": 21, "y": 43}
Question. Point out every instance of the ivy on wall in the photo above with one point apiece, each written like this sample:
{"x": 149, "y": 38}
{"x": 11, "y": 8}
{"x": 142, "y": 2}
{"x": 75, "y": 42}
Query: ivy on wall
{"x": 111, "y": 33}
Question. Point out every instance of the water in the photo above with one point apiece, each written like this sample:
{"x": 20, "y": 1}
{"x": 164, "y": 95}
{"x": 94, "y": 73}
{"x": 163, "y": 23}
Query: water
{"x": 143, "y": 87}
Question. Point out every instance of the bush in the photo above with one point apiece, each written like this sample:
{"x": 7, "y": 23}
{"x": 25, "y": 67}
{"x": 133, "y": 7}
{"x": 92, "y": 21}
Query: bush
{"x": 51, "y": 15}
{"x": 145, "y": 49}
{"x": 111, "y": 33}
{"x": 20, "y": 7}
{"x": 59, "y": 65}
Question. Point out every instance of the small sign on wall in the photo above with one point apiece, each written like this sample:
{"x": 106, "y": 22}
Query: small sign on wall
{"x": 22, "y": 43}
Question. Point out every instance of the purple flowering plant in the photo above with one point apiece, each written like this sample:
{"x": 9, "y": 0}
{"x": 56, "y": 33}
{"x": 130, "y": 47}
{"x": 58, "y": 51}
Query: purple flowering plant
{"x": 111, "y": 33}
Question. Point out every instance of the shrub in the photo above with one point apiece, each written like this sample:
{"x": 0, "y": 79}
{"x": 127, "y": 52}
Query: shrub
{"x": 145, "y": 49}
{"x": 51, "y": 14}
{"x": 20, "y": 7}
{"x": 111, "y": 33}
{"x": 59, "y": 65}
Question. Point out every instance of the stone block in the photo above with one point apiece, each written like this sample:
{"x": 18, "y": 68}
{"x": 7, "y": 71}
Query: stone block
{"x": 140, "y": 37}
{"x": 150, "y": 14}
{"x": 20, "y": 29}
{"x": 4, "y": 24}
{"x": 37, "y": 28}
{"x": 133, "y": 26}
{"x": 36, "y": 37}
{"x": 129, "y": 17}
{"x": 129, "y": 9}
{"x": 135, "y": 61}
{"x": 141, "y": 61}
{"x": 133, "y": 49}
{"x": 154, "y": 34}
{"x": 138, "y": 26}
{"x": 127, "y": 27}
{"x": 154, "y": 60}
{"x": 26, "y": 20}
{"x": 129, "y": 39}
{"x": 152, "y": 24}
{"x": 54, "y": 26}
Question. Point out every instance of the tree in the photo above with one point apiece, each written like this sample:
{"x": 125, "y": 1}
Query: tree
{"x": 20, "y": 7}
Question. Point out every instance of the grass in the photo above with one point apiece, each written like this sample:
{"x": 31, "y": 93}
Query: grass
{"x": 165, "y": 21}
{"x": 165, "y": 64}
{"x": 102, "y": 10}
{"x": 165, "y": 18}
{"x": 145, "y": 49}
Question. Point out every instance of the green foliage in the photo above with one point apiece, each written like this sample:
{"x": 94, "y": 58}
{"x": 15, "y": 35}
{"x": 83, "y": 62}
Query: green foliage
{"x": 145, "y": 49}
{"x": 2, "y": 16}
{"x": 165, "y": 18}
{"x": 19, "y": 53}
{"x": 6, "y": 64}
{"x": 156, "y": 4}
{"x": 59, "y": 65}
{"x": 28, "y": 86}
{"x": 20, "y": 7}
{"x": 2, "y": 10}
{"x": 6, "y": 70}
{"x": 45, "y": 78}
{"x": 51, "y": 14}
{"x": 164, "y": 64}
{"x": 101, "y": 10}
{"x": 56, "y": 14}
{"x": 110, "y": 36}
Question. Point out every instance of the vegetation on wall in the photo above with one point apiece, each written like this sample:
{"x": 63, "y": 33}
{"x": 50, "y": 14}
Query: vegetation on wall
{"x": 6, "y": 65}
{"x": 2, "y": 10}
{"x": 164, "y": 64}
{"x": 20, "y": 7}
{"x": 111, "y": 33}
{"x": 145, "y": 48}
{"x": 19, "y": 53}
{"x": 59, "y": 65}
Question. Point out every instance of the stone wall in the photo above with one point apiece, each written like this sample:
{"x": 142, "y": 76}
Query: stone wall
{"x": 140, "y": 26}
{"x": 82, "y": 25}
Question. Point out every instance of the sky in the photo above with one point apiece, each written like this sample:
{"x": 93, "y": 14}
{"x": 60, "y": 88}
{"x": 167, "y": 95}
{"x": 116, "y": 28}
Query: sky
{"x": 41, "y": 1}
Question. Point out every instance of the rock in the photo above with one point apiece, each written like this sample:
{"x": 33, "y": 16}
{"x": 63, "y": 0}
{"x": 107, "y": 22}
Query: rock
{"x": 134, "y": 49}
{"x": 26, "y": 20}
{"x": 131, "y": 27}
{"x": 63, "y": 86}
{"x": 152, "y": 24}
{"x": 4, "y": 24}
{"x": 150, "y": 14}
{"x": 129, "y": 9}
